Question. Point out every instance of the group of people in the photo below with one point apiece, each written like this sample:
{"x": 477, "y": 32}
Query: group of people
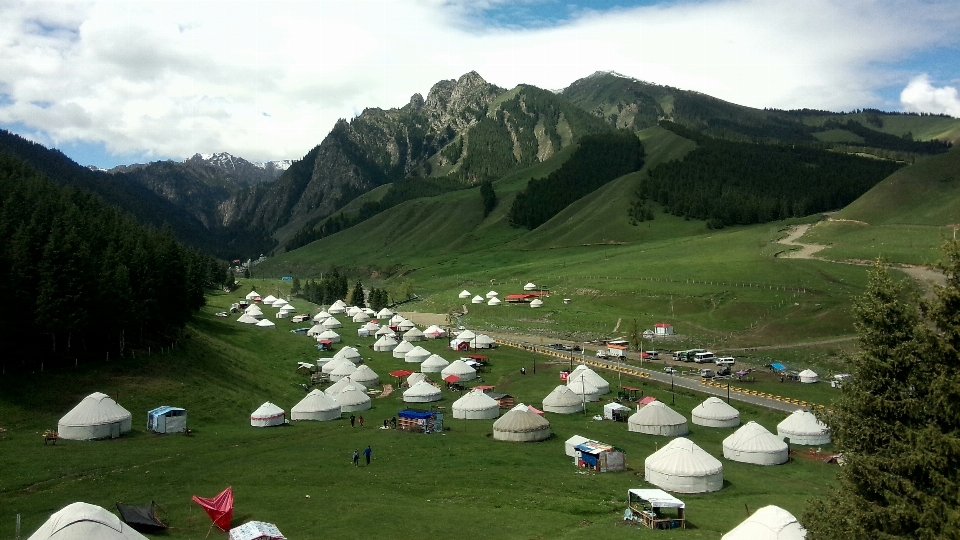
{"x": 353, "y": 420}
{"x": 356, "y": 455}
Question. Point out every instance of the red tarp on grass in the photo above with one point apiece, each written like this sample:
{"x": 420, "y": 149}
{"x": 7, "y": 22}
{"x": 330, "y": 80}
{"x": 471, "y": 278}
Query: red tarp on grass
{"x": 451, "y": 378}
{"x": 401, "y": 373}
{"x": 219, "y": 508}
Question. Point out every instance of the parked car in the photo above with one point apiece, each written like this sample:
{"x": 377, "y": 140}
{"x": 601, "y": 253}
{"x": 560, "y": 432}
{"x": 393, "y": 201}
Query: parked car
{"x": 299, "y": 318}
{"x": 723, "y": 371}
{"x": 724, "y": 361}
{"x": 671, "y": 369}
{"x": 707, "y": 373}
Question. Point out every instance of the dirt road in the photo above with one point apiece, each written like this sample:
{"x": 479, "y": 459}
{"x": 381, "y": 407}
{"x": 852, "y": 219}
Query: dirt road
{"x": 806, "y": 251}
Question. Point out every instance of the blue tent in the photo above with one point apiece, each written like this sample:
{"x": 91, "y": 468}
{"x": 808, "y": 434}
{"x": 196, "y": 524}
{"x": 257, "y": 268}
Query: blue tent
{"x": 778, "y": 366}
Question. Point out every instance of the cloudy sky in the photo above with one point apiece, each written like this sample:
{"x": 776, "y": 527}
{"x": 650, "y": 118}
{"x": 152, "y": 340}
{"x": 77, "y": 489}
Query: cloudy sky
{"x": 130, "y": 81}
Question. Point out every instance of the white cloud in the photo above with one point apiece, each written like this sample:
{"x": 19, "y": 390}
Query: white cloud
{"x": 921, "y": 96}
{"x": 267, "y": 80}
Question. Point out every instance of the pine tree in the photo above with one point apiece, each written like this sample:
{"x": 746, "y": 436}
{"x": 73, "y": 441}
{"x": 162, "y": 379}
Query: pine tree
{"x": 898, "y": 422}
{"x": 295, "y": 288}
{"x": 356, "y": 297}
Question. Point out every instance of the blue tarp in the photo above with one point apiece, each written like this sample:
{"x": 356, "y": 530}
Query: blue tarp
{"x": 778, "y": 366}
{"x": 415, "y": 414}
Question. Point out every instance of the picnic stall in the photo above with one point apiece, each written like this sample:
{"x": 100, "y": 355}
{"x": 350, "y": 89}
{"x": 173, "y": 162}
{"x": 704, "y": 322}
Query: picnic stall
{"x": 418, "y": 421}
{"x": 506, "y": 401}
{"x": 655, "y": 508}
{"x": 599, "y": 457}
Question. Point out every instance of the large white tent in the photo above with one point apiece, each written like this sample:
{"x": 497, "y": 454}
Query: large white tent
{"x": 422, "y": 392}
{"x": 413, "y": 334}
{"x": 266, "y": 323}
{"x": 803, "y": 428}
{"x": 315, "y": 330}
{"x": 416, "y": 377}
{"x": 464, "y": 294}
{"x": 365, "y": 376}
{"x": 460, "y": 369}
{"x": 714, "y": 412}
{"x": 433, "y": 332}
{"x": 494, "y": 301}
{"x": 353, "y": 310}
{"x": 330, "y": 323}
{"x": 267, "y": 415}
{"x": 402, "y": 348}
{"x": 385, "y": 331}
{"x": 83, "y": 521}
{"x": 658, "y": 419}
{"x": 492, "y": 294}
{"x": 329, "y": 334}
{"x": 321, "y": 316}
{"x": 563, "y": 400}
{"x": 530, "y": 287}
{"x": 331, "y": 365}
{"x": 338, "y": 307}
{"x": 477, "y": 299}
{"x": 752, "y": 443}
{"x": 808, "y": 376}
{"x": 476, "y": 405}
{"x": 345, "y": 369}
{"x": 361, "y": 317}
{"x": 247, "y": 319}
{"x": 416, "y": 355}
{"x": 254, "y": 311}
{"x": 396, "y": 319}
{"x": 336, "y": 387}
{"x": 384, "y": 314}
{"x": 583, "y": 388}
{"x": 316, "y": 406}
{"x": 768, "y": 523}
{"x": 591, "y": 376}
{"x": 348, "y": 353}
{"x": 251, "y": 295}
{"x": 405, "y": 325}
{"x": 353, "y": 398}
{"x": 385, "y": 344}
{"x": 269, "y": 300}
{"x": 466, "y": 335}
{"x": 434, "y": 364}
{"x": 483, "y": 341}
{"x": 683, "y": 467}
{"x": 536, "y": 302}
{"x": 521, "y": 426}
{"x": 97, "y": 416}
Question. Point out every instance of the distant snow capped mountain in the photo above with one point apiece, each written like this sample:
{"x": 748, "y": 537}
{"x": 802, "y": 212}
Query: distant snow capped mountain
{"x": 244, "y": 171}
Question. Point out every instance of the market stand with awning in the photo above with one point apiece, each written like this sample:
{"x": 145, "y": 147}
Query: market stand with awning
{"x": 646, "y": 506}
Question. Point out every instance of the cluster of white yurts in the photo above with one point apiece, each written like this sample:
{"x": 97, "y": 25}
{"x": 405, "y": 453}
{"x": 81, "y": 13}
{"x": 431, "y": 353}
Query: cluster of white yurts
{"x": 491, "y": 298}
{"x": 253, "y": 314}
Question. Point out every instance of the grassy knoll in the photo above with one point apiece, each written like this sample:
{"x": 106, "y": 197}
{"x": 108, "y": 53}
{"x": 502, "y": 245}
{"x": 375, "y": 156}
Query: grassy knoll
{"x": 923, "y": 128}
{"x": 418, "y": 486}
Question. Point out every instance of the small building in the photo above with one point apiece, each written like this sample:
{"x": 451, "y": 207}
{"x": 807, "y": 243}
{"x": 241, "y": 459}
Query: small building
{"x": 663, "y": 329}
{"x": 418, "y": 421}
{"x": 167, "y": 419}
{"x": 616, "y": 411}
{"x": 647, "y": 506}
{"x": 506, "y": 401}
{"x": 599, "y": 457}
{"x": 519, "y": 298}
{"x": 570, "y": 446}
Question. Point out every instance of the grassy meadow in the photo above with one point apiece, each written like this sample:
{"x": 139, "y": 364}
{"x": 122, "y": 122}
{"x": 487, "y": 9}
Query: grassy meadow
{"x": 299, "y": 476}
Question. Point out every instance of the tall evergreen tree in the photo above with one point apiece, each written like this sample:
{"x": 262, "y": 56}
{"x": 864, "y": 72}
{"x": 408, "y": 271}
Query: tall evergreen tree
{"x": 356, "y": 297}
{"x": 898, "y": 422}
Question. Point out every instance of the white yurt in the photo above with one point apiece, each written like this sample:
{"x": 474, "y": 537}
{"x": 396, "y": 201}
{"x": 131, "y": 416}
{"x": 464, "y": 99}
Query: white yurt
{"x": 754, "y": 444}
{"x": 714, "y": 412}
{"x": 365, "y": 376}
{"x": 563, "y": 400}
{"x": 396, "y": 319}
{"x": 803, "y": 428}
{"x": 422, "y": 392}
{"x": 279, "y": 303}
{"x": 808, "y": 376}
{"x": 483, "y": 341}
{"x": 385, "y": 331}
{"x": 413, "y": 334}
{"x": 433, "y": 332}
{"x": 477, "y": 299}
{"x": 287, "y": 308}
{"x": 370, "y": 312}
{"x": 405, "y": 325}
{"x": 583, "y": 388}
{"x": 254, "y": 311}
{"x": 321, "y": 316}
{"x": 591, "y": 376}
{"x": 529, "y": 287}
{"x": 348, "y": 353}
{"x": 464, "y": 294}
{"x": 683, "y": 467}
{"x": 336, "y": 387}
{"x": 402, "y": 348}
{"x": 338, "y": 307}
{"x": 332, "y": 365}
{"x": 434, "y": 364}
{"x": 494, "y": 301}
{"x": 384, "y": 314}
{"x": 316, "y": 406}
{"x": 476, "y": 405}
{"x": 97, "y": 416}
{"x": 83, "y": 521}
{"x": 385, "y": 344}
{"x": 768, "y": 523}
{"x": 658, "y": 419}
{"x": 521, "y": 426}
{"x": 269, "y": 300}
{"x": 315, "y": 330}
{"x": 352, "y": 310}
{"x": 329, "y": 334}
{"x": 361, "y": 317}
{"x": 251, "y": 295}
{"x": 460, "y": 369}
{"x": 492, "y": 294}
{"x": 536, "y": 303}
{"x": 345, "y": 369}
{"x": 267, "y": 415}
{"x": 266, "y": 323}
{"x": 415, "y": 377}
{"x": 353, "y": 398}
{"x": 363, "y": 332}
{"x": 466, "y": 335}
{"x": 247, "y": 319}
{"x": 330, "y": 323}
{"x": 416, "y": 355}
{"x": 371, "y": 327}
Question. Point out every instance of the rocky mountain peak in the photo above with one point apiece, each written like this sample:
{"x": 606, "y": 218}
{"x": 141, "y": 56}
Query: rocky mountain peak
{"x": 416, "y": 102}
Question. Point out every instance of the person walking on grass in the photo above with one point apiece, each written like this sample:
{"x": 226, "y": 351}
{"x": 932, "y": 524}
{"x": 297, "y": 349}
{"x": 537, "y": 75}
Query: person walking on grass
{"x": 356, "y": 458}
{"x": 361, "y": 421}
{"x": 366, "y": 452}
{"x": 353, "y": 419}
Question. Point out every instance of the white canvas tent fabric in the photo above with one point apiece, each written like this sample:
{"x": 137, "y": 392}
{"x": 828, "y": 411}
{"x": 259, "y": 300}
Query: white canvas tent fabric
{"x": 345, "y": 369}
{"x": 422, "y": 392}
{"x": 385, "y": 331}
{"x": 288, "y": 308}
{"x": 353, "y": 398}
{"x": 279, "y": 303}
{"x": 353, "y": 310}
{"x": 477, "y": 299}
{"x": 256, "y": 530}
{"x": 536, "y": 303}
{"x": 371, "y": 327}
{"x": 529, "y": 287}
{"x": 582, "y": 388}
{"x": 83, "y": 521}
{"x": 329, "y": 334}
{"x": 808, "y": 376}
{"x": 97, "y": 416}
{"x": 266, "y": 323}
{"x": 254, "y": 311}
{"x": 491, "y": 294}
{"x": 803, "y": 428}
{"x": 396, "y": 319}
{"x": 610, "y": 408}
{"x": 402, "y": 348}
{"x": 247, "y": 319}
{"x": 384, "y": 314}
{"x": 267, "y": 415}
{"x": 464, "y": 294}
{"x": 269, "y": 300}
{"x": 483, "y": 341}
{"x": 315, "y": 329}
{"x": 433, "y": 332}
{"x": 413, "y": 334}
{"x": 334, "y": 364}
{"x": 494, "y": 301}
{"x": 466, "y": 335}
{"x": 768, "y": 523}
{"x": 365, "y": 376}
{"x": 339, "y": 304}
{"x": 331, "y": 322}
{"x": 361, "y": 317}
{"x": 434, "y": 364}
{"x": 405, "y": 325}
{"x": 658, "y": 419}
{"x": 348, "y": 353}
{"x": 251, "y": 295}
{"x": 521, "y": 426}
{"x": 563, "y": 400}
{"x": 476, "y": 405}
{"x": 570, "y": 446}
{"x": 754, "y": 444}
{"x": 415, "y": 377}
{"x": 316, "y": 406}
{"x": 321, "y": 316}
{"x": 370, "y": 312}
{"x": 714, "y": 412}
{"x": 385, "y": 344}
{"x": 591, "y": 376}
{"x": 336, "y": 387}
{"x": 460, "y": 369}
{"x": 683, "y": 467}
{"x": 416, "y": 355}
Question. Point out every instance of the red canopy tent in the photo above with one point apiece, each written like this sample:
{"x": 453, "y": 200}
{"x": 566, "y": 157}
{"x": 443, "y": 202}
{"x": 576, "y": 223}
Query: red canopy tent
{"x": 401, "y": 373}
{"x": 452, "y": 378}
{"x": 219, "y": 508}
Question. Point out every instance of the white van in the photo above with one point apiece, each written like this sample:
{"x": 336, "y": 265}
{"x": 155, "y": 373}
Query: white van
{"x": 703, "y": 357}
{"x": 724, "y": 361}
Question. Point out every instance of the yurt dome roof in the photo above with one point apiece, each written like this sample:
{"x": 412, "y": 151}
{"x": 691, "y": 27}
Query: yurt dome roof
{"x": 682, "y": 457}
{"x": 422, "y": 389}
{"x": 315, "y": 401}
{"x": 562, "y": 396}
{"x": 81, "y": 521}
{"x": 95, "y": 409}
{"x": 714, "y": 408}
{"x": 521, "y": 422}
{"x": 768, "y": 523}
{"x": 802, "y": 423}
{"x": 364, "y": 374}
{"x": 344, "y": 369}
{"x": 267, "y": 410}
{"x": 404, "y": 347}
{"x": 753, "y": 437}
{"x": 338, "y": 386}
{"x": 434, "y": 361}
{"x": 352, "y": 394}
{"x": 348, "y": 353}
{"x": 657, "y": 413}
{"x": 458, "y": 367}
{"x": 476, "y": 400}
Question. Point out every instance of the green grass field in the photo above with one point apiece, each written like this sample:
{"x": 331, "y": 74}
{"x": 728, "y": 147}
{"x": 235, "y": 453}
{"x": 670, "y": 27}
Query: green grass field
{"x": 438, "y": 485}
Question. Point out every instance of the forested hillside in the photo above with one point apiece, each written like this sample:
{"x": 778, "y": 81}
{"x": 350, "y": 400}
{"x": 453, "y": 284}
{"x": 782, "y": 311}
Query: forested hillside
{"x": 83, "y": 279}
